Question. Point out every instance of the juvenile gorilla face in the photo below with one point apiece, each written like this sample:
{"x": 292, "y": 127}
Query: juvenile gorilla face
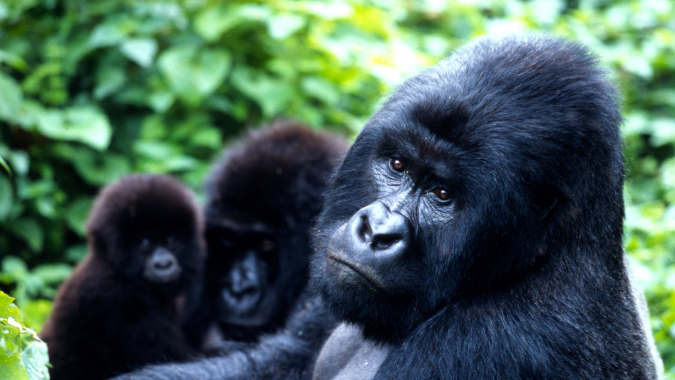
{"x": 149, "y": 227}
{"x": 160, "y": 253}
{"x": 241, "y": 267}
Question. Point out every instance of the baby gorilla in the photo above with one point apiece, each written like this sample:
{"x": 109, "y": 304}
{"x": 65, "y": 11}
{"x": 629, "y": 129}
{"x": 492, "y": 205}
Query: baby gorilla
{"x": 121, "y": 307}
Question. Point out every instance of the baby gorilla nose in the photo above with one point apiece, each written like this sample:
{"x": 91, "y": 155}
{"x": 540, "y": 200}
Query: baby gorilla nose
{"x": 162, "y": 266}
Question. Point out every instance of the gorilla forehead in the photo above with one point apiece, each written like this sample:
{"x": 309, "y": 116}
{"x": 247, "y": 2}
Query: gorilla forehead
{"x": 137, "y": 201}
{"x": 507, "y": 105}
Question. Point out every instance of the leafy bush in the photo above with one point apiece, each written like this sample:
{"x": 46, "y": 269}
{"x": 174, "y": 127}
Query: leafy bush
{"x": 90, "y": 91}
{"x": 23, "y": 356}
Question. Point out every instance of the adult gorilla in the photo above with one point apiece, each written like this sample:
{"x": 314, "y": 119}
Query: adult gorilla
{"x": 474, "y": 229}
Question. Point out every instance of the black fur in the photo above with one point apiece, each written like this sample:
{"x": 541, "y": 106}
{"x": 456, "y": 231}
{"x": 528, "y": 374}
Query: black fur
{"x": 108, "y": 318}
{"x": 265, "y": 190}
{"x": 274, "y": 180}
{"x": 521, "y": 274}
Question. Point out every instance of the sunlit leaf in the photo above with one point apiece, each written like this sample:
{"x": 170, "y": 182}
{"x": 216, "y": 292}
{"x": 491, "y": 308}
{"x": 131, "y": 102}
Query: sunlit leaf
{"x": 140, "y": 50}
{"x": 282, "y": 26}
{"x": 10, "y": 98}
{"x": 194, "y": 73}
{"x": 85, "y": 124}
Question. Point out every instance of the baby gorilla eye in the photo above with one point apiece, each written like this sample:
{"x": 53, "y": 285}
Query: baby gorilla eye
{"x": 396, "y": 164}
{"x": 441, "y": 194}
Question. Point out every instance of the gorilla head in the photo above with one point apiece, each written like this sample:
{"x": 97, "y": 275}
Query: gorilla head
{"x": 478, "y": 177}
{"x": 261, "y": 199}
{"x": 149, "y": 227}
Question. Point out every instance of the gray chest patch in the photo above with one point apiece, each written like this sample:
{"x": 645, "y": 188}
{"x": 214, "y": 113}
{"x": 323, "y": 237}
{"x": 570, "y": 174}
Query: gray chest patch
{"x": 347, "y": 356}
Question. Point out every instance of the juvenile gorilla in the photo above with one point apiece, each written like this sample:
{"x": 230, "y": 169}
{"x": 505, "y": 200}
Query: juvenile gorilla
{"x": 474, "y": 229}
{"x": 261, "y": 199}
{"x": 120, "y": 308}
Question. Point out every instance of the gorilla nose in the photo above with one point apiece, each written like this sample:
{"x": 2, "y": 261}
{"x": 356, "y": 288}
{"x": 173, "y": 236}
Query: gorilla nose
{"x": 165, "y": 263}
{"x": 378, "y": 229}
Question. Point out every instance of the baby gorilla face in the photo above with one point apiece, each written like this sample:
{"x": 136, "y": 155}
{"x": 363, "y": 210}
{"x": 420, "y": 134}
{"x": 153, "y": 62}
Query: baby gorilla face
{"x": 161, "y": 263}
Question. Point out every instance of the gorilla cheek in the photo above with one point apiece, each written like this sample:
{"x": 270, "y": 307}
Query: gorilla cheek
{"x": 161, "y": 267}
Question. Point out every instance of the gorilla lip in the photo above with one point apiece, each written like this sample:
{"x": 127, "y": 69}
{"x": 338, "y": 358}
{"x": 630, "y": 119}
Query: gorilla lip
{"x": 374, "y": 282}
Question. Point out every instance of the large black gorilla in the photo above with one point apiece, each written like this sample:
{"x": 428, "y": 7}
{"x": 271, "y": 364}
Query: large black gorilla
{"x": 474, "y": 230}
{"x": 261, "y": 198}
{"x": 122, "y": 306}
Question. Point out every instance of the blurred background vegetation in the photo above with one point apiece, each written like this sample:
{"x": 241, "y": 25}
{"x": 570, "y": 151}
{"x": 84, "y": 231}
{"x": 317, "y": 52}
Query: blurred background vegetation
{"x": 93, "y": 90}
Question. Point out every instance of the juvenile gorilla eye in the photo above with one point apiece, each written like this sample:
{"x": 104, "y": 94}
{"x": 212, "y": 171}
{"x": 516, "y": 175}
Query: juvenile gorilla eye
{"x": 396, "y": 164}
{"x": 441, "y": 194}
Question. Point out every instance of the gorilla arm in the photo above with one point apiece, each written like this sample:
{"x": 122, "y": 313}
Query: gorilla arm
{"x": 277, "y": 356}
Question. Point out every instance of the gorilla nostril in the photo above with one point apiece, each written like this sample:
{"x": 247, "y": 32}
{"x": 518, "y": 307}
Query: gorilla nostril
{"x": 364, "y": 231}
{"x": 164, "y": 264}
{"x": 383, "y": 241}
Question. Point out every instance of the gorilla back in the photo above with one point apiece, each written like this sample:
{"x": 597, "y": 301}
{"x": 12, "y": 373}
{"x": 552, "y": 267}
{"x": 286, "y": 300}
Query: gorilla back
{"x": 474, "y": 229}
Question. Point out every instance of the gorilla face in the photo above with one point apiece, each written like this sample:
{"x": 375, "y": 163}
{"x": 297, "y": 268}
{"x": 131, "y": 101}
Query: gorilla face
{"x": 463, "y": 181}
{"x": 150, "y": 229}
{"x": 242, "y": 263}
{"x": 383, "y": 254}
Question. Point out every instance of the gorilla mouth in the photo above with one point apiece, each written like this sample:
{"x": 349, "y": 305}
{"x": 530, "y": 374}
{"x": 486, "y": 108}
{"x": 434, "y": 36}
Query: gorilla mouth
{"x": 371, "y": 280}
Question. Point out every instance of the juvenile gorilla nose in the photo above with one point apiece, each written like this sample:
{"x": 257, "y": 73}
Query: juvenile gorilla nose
{"x": 378, "y": 230}
{"x": 165, "y": 263}
{"x": 243, "y": 292}
{"x": 162, "y": 266}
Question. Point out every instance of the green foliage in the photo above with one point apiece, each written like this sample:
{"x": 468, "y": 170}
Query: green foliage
{"x": 93, "y": 90}
{"x": 23, "y": 356}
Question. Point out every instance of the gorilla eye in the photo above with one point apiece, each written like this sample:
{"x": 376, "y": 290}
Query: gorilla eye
{"x": 396, "y": 164}
{"x": 145, "y": 244}
{"x": 170, "y": 240}
{"x": 441, "y": 194}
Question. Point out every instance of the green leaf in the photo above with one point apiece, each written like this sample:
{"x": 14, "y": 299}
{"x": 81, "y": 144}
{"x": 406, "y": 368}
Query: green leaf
{"x": 30, "y": 231}
{"x": 76, "y": 214}
{"x": 213, "y": 21}
{"x": 321, "y": 89}
{"x": 6, "y": 197}
{"x": 100, "y": 169}
{"x": 11, "y": 367}
{"x": 5, "y": 166}
{"x": 53, "y": 273}
{"x": 109, "y": 80}
{"x": 23, "y": 356}
{"x": 282, "y": 26}
{"x": 272, "y": 94}
{"x": 10, "y": 98}
{"x": 140, "y": 50}
{"x": 35, "y": 358}
{"x": 84, "y": 124}
{"x": 109, "y": 33}
{"x": 194, "y": 73}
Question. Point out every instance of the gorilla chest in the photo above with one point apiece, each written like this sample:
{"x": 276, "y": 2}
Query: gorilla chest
{"x": 347, "y": 356}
